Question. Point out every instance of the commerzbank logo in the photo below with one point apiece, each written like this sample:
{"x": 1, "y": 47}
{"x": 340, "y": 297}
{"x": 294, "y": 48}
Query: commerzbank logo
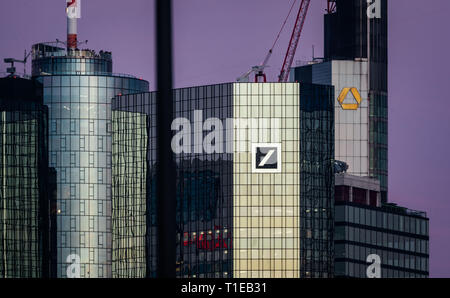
{"x": 356, "y": 97}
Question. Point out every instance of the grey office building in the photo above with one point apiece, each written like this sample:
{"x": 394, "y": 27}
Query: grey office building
{"x": 366, "y": 226}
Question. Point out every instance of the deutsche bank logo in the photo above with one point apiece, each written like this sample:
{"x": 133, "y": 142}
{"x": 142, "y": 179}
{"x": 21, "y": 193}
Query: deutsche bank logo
{"x": 266, "y": 158}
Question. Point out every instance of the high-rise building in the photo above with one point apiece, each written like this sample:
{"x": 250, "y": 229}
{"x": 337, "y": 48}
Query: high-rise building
{"x": 254, "y": 166}
{"x": 351, "y": 108}
{"x": 356, "y": 56}
{"x": 78, "y": 89}
{"x": 355, "y": 63}
{"x": 25, "y": 181}
{"x": 375, "y": 239}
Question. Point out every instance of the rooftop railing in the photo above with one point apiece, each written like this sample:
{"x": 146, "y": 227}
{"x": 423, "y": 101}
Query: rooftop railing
{"x": 89, "y": 73}
{"x": 53, "y": 49}
{"x": 405, "y": 210}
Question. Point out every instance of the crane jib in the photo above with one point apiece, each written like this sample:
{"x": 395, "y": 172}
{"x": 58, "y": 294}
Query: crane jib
{"x": 293, "y": 43}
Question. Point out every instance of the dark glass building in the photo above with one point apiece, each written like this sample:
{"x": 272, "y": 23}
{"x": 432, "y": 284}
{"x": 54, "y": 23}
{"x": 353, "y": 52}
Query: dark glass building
{"x": 316, "y": 179}
{"x": 365, "y": 226}
{"x": 350, "y": 35}
{"x": 78, "y": 87}
{"x": 25, "y": 181}
{"x": 236, "y": 218}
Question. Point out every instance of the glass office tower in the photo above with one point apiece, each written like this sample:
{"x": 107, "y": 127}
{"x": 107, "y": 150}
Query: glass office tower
{"x": 317, "y": 130}
{"x": 236, "y": 217}
{"x": 78, "y": 88}
{"x": 24, "y": 180}
{"x": 366, "y": 226}
{"x": 351, "y": 116}
{"x": 349, "y": 35}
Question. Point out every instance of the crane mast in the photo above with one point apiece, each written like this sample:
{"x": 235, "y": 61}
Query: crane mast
{"x": 295, "y": 38}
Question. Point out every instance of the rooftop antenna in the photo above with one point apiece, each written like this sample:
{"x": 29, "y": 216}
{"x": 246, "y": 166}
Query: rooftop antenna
{"x": 73, "y": 11}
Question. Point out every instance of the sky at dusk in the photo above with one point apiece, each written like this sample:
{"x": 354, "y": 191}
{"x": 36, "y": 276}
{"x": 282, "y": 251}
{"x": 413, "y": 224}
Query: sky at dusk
{"x": 217, "y": 41}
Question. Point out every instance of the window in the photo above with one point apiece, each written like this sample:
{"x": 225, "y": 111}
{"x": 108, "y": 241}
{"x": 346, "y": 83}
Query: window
{"x": 340, "y": 233}
{"x": 351, "y": 234}
{"x": 342, "y": 193}
{"x": 356, "y": 214}
{"x": 359, "y": 195}
{"x": 350, "y": 214}
{"x": 339, "y": 213}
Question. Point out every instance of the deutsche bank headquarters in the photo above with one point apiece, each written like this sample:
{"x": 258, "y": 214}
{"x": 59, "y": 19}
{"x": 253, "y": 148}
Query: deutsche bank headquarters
{"x": 254, "y": 166}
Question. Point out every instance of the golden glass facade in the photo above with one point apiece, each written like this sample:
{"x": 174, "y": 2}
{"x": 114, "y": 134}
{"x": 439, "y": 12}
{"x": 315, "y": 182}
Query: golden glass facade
{"x": 129, "y": 194}
{"x": 266, "y": 206}
{"x": 239, "y": 213}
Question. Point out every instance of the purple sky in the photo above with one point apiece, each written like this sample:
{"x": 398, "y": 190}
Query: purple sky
{"x": 217, "y": 41}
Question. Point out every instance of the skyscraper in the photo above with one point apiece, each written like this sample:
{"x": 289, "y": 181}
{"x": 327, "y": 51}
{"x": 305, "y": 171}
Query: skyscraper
{"x": 25, "y": 177}
{"x": 256, "y": 203}
{"x": 78, "y": 89}
{"x": 351, "y": 108}
{"x": 355, "y": 62}
{"x": 350, "y": 35}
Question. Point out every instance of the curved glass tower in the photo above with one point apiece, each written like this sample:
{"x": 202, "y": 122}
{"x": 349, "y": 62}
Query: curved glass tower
{"x": 78, "y": 89}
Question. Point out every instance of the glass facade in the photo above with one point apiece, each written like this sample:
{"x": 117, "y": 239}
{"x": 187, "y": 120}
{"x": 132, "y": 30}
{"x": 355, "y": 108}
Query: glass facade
{"x": 266, "y": 224}
{"x": 204, "y": 185}
{"x": 129, "y": 194}
{"x": 24, "y": 178}
{"x": 316, "y": 180}
{"x": 78, "y": 93}
{"x": 365, "y": 226}
{"x": 347, "y": 32}
{"x": 232, "y": 221}
{"x": 53, "y": 60}
{"x": 351, "y": 125}
{"x": 401, "y": 240}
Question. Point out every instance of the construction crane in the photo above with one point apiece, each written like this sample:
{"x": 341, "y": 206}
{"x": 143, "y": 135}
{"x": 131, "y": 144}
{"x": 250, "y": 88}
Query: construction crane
{"x": 331, "y": 6}
{"x": 259, "y": 69}
{"x": 12, "y": 69}
{"x": 293, "y": 43}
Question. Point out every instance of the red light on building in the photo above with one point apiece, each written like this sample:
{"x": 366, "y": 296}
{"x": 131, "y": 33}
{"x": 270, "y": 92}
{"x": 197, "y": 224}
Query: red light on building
{"x": 203, "y": 243}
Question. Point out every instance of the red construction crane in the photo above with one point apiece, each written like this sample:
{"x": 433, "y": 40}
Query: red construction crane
{"x": 331, "y": 6}
{"x": 293, "y": 44}
{"x": 259, "y": 69}
{"x": 295, "y": 38}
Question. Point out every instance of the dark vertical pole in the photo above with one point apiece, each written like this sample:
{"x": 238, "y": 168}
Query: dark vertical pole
{"x": 165, "y": 167}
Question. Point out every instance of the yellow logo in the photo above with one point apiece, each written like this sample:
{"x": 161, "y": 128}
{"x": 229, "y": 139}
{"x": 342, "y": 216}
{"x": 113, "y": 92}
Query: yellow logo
{"x": 356, "y": 96}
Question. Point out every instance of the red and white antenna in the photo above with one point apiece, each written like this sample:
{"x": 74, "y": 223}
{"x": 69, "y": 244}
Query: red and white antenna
{"x": 73, "y": 11}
